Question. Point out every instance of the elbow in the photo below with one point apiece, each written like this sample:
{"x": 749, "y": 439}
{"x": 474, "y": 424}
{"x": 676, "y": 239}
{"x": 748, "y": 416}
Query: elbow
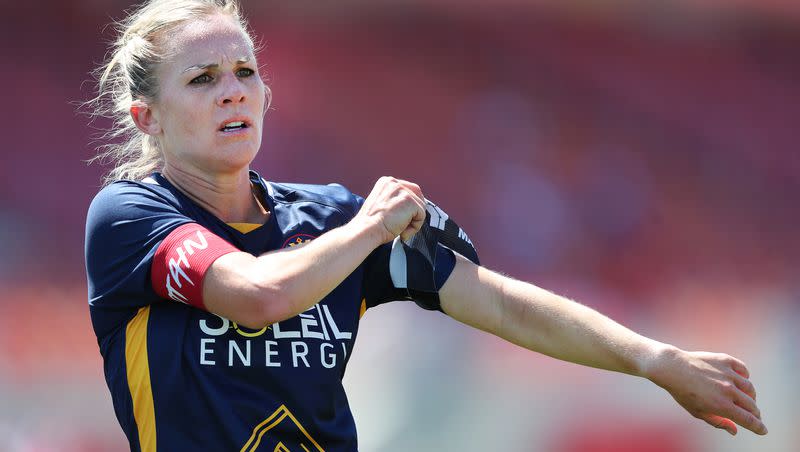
{"x": 261, "y": 312}
{"x": 256, "y": 319}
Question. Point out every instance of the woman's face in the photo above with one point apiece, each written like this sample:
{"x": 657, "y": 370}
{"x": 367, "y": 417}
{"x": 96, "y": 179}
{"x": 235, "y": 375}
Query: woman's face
{"x": 210, "y": 105}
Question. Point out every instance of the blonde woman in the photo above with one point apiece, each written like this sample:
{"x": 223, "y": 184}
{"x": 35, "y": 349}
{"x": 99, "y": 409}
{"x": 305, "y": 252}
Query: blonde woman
{"x": 226, "y": 306}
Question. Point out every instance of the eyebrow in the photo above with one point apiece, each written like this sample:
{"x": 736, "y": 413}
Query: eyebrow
{"x": 213, "y": 65}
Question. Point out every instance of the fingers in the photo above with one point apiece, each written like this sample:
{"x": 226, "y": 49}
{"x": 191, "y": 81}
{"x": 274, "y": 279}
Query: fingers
{"x": 739, "y": 367}
{"x": 745, "y": 402}
{"x": 396, "y": 206}
{"x": 746, "y": 419}
{"x": 719, "y": 422}
{"x": 414, "y": 188}
{"x": 413, "y": 227}
{"x": 718, "y": 390}
{"x": 408, "y": 188}
{"x": 407, "y": 234}
{"x": 418, "y": 218}
{"x": 744, "y": 410}
{"x": 745, "y": 385}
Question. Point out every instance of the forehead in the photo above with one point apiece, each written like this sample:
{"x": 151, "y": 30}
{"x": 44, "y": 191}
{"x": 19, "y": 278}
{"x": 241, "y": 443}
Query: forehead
{"x": 208, "y": 40}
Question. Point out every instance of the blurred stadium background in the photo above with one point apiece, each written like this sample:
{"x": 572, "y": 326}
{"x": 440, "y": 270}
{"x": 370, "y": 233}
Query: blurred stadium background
{"x": 640, "y": 157}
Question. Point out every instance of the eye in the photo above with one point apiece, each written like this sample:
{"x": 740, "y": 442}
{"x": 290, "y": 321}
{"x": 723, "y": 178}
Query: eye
{"x": 245, "y": 72}
{"x": 204, "y": 78}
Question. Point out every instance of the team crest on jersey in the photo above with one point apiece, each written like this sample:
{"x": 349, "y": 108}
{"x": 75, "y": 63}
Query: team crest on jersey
{"x": 297, "y": 239}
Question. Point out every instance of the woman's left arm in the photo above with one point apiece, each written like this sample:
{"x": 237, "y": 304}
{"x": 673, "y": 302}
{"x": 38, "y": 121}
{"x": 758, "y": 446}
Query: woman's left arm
{"x": 710, "y": 386}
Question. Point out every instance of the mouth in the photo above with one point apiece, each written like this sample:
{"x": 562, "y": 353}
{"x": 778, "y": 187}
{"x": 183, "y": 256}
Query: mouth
{"x": 235, "y": 125}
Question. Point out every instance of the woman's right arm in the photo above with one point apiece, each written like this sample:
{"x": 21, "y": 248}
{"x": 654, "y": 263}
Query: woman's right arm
{"x": 258, "y": 291}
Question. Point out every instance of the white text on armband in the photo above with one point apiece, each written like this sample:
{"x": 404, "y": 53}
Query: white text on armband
{"x": 176, "y": 270}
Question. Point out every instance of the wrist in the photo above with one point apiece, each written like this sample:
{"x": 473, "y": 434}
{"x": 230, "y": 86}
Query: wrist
{"x": 368, "y": 229}
{"x": 657, "y": 361}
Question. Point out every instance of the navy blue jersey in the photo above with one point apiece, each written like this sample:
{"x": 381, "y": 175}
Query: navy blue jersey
{"x": 185, "y": 379}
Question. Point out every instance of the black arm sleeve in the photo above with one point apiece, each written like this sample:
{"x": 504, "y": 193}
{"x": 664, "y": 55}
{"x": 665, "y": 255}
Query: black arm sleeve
{"x": 418, "y": 269}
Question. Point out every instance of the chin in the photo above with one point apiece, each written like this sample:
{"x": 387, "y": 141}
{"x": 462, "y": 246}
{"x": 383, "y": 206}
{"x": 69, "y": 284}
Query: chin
{"x": 233, "y": 165}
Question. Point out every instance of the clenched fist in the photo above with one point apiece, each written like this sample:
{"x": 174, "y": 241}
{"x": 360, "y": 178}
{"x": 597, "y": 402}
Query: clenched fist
{"x": 394, "y": 207}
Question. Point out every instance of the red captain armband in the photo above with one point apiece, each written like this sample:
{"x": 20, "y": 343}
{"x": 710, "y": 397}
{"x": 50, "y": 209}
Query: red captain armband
{"x": 181, "y": 262}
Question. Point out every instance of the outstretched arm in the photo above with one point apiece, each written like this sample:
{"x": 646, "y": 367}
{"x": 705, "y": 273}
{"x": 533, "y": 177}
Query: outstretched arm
{"x": 710, "y": 386}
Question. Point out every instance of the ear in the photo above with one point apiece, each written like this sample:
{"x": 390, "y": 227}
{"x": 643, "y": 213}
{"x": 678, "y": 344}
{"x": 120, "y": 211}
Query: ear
{"x": 143, "y": 117}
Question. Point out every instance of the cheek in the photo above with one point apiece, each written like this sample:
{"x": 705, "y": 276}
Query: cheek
{"x": 186, "y": 118}
{"x": 182, "y": 136}
{"x": 260, "y": 95}
{"x": 191, "y": 116}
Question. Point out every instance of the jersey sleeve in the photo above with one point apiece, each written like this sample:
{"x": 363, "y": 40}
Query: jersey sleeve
{"x": 140, "y": 247}
{"x": 435, "y": 243}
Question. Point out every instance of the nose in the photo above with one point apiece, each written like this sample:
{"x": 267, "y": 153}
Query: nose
{"x": 232, "y": 91}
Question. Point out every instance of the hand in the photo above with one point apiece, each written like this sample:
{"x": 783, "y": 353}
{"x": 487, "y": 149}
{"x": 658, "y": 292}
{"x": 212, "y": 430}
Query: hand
{"x": 713, "y": 387}
{"x": 394, "y": 207}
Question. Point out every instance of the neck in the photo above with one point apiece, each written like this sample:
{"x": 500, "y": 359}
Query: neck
{"x": 229, "y": 197}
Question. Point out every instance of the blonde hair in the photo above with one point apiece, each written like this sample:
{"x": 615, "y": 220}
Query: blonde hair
{"x": 128, "y": 74}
